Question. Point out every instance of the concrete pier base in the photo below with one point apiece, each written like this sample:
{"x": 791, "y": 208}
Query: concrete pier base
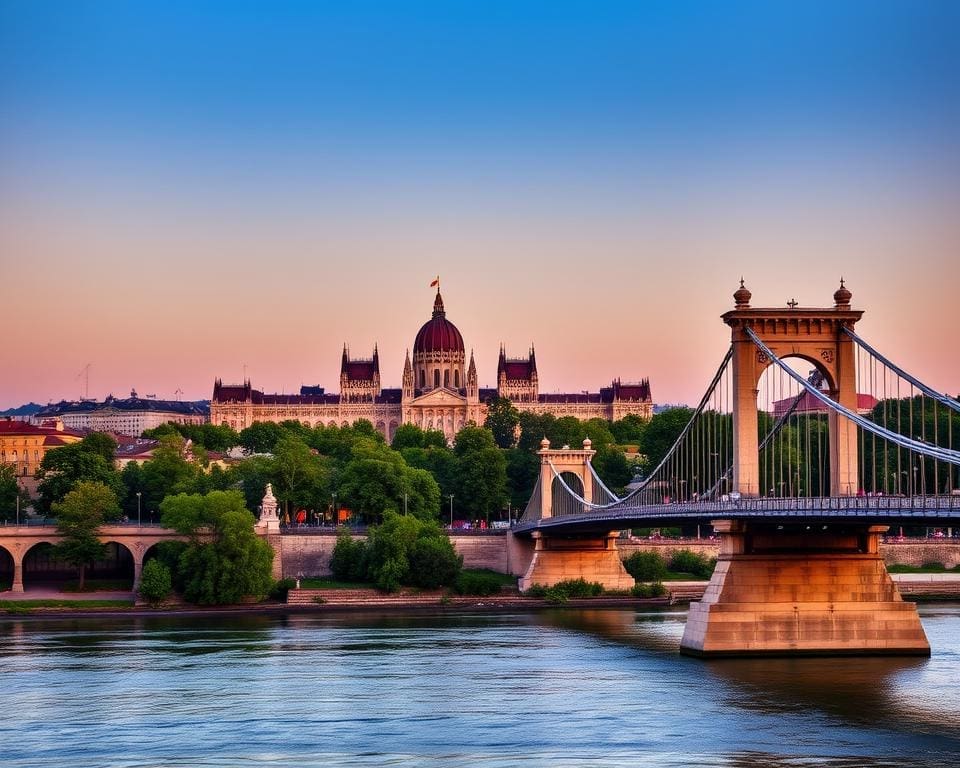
{"x": 594, "y": 559}
{"x": 801, "y": 590}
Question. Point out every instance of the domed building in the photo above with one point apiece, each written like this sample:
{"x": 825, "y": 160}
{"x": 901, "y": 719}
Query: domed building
{"x": 439, "y": 391}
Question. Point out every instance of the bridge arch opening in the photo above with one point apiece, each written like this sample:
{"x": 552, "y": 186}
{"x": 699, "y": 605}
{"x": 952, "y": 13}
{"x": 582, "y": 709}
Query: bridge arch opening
{"x": 793, "y": 430}
{"x": 6, "y": 569}
{"x": 42, "y": 568}
{"x": 563, "y": 503}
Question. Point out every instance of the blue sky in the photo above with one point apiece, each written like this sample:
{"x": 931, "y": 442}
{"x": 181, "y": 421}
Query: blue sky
{"x": 542, "y": 156}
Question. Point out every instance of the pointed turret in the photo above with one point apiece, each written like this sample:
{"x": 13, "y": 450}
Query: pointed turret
{"x": 473, "y": 390}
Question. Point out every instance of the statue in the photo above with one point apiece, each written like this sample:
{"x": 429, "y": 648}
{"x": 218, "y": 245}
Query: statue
{"x": 268, "y": 508}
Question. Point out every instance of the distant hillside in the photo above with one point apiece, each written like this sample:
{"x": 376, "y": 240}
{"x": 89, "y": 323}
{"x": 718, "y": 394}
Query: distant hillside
{"x": 24, "y": 410}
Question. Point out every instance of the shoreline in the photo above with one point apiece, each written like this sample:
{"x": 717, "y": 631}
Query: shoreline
{"x": 454, "y": 605}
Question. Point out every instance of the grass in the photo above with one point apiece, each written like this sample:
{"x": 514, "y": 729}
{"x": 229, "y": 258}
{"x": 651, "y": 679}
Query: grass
{"x": 505, "y": 579}
{"x": 25, "y": 606}
{"x": 333, "y": 584}
{"x": 925, "y": 568}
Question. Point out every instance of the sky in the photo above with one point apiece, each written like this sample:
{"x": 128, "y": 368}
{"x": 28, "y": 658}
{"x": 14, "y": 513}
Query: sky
{"x": 200, "y": 190}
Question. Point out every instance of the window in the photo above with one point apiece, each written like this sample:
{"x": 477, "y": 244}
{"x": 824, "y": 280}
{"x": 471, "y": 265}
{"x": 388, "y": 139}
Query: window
{"x": 456, "y": 379}
{"x": 422, "y": 379}
{"x": 436, "y": 377}
{"x": 446, "y": 379}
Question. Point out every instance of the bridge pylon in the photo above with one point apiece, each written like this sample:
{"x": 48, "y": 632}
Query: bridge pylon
{"x": 815, "y": 335}
{"x": 556, "y": 557}
{"x": 782, "y": 589}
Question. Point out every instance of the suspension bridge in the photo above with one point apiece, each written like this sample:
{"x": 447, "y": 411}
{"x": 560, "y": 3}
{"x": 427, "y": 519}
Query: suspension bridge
{"x": 807, "y": 445}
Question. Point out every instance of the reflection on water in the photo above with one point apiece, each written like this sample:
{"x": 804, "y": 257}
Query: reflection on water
{"x": 557, "y": 688}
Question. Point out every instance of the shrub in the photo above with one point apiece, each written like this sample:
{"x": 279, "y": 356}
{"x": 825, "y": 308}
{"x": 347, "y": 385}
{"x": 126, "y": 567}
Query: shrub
{"x": 685, "y": 561}
{"x": 434, "y": 563}
{"x": 536, "y": 590}
{"x": 280, "y": 589}
{"x": 349, "y": 559}
{"x": 646, "y": 566}
{"x": 155, "y": 582}
{"x": 575, "y": 588}
{"x": 480, "y": 584}
{"x": 555, "y": 596}
{"x": 656, "y": 589}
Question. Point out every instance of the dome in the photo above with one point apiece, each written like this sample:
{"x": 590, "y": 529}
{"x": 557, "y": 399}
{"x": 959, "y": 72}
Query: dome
{"x": 742, "y": 296}
{"x": 438, "y": 334}
{"x": 842, "y": 296}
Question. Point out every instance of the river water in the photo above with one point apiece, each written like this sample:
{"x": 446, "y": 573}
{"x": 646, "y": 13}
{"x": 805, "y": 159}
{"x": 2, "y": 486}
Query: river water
{"x": 556, "y": 688}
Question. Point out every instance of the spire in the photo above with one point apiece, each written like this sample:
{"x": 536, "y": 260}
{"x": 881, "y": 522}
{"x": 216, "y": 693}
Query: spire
{"x": 438, "y": 310}
{"x": 472, "y": 368}
{"x": 533, "y": 359}
{"x": 407, "y": 368}
{"x": 502, "y": 361}
{"x": 344, "y": 359}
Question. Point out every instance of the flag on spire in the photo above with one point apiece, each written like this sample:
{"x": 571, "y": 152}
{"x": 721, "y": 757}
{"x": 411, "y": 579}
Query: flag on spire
{"x": 435, "y": 283}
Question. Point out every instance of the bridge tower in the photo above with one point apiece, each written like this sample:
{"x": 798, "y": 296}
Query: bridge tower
{"x": 554, "y": 557}
{"x": 815, "y": 335}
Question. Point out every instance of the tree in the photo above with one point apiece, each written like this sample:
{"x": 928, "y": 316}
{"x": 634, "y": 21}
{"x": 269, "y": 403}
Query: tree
{"x": 79, "y": 517}
{"x": 168, "y": 472}
{"x": 62, "y": 468}
{"x": 261, "y": 436}
{"x": 9, "y": 492}
{"x": 301, "y": 476}
{"x": 503, "y": 421}
{"x": 481, "y": 473}
{"x": 412, "y": 436}
{"x": 661, "y": 433}
{"x": 155, "y": 582}
{"x": 377, "y": 479}
{"x": 404, "y": 550}
{"x": 233, "y": 563}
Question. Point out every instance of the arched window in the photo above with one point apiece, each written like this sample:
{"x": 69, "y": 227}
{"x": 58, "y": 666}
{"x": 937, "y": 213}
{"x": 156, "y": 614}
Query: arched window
{"x": 456, "y": 379}
{"x": 446, "y": 378}
{"x": 436, "y": 377}
{"x": 423, "y": 380}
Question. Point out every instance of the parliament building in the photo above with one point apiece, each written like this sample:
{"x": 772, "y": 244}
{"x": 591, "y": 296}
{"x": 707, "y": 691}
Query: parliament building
{"x": 439, "y": 391}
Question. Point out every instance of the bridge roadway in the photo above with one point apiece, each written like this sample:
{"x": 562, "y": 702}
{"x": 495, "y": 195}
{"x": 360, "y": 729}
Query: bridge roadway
{"x": 871, "y": 510}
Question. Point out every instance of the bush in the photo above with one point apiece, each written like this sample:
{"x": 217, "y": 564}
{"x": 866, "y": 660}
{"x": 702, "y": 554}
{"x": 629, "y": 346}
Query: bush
{"x": 155, "y": 582}
{"x": 479, "y": 584}
{"x": 575, "y": 588}
{"x": 685, "y": 561}
{"x": 349, "y": 559}
{"x": 280, "y": 589}
{"x": 565, "y": 590}
{"x": 434, "y": 563}
{"x": 646, "y": 566}
{"x": 656, "y": 589}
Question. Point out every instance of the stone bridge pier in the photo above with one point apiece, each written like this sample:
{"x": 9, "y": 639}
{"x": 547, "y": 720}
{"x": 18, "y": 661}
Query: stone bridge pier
{"x": 801, "y": 589}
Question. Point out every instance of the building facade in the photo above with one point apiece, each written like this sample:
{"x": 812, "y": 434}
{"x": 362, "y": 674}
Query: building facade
{"x": 23, "y": 446}
{"x": 128, "y": 416}
{"x": 439, "y": 390}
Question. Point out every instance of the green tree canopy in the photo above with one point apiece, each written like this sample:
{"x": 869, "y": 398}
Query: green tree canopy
{"x": 79, "y": 517}
{"x": 62, "y": 468}
{"x": 503, "y": 421}
{"x": 234, "y": 563}
{"x": 481, "y": 473}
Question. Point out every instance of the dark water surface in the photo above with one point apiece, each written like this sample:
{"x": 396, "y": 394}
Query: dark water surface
{"x": 559, "y": 688}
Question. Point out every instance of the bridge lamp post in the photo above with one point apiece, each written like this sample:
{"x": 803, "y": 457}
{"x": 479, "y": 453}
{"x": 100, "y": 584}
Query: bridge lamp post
{"x": 451, "y": 510}
{"x": 333, "y": 505}
{"x": 404, "y": 504}
{"x": 139, "y": 519}
{"x": 913, "y": 490}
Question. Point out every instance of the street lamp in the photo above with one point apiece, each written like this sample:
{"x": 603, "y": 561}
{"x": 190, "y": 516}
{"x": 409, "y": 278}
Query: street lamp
{"x": 451, "y": 510}
{"x": 139, "y": 494}
{"x": 333, "y": 497}
{"x": 404, "y": 504}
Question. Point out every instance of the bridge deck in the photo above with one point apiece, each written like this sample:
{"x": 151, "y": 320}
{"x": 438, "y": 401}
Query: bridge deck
{"x": 876, "y": 510}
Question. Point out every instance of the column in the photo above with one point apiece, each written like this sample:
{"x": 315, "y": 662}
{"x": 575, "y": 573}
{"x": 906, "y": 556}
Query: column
{"x": 746, "y": 462}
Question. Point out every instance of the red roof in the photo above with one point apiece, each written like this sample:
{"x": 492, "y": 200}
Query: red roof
{"x": 11, "y": 427}
{"x": 359, "y": 370}
{"x": 517, "y": 369}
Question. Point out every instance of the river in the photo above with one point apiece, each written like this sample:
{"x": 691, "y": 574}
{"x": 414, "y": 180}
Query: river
{"x": 555, "y": 688}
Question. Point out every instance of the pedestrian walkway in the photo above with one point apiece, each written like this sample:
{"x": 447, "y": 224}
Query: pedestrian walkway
{"x": 49, "y": 593}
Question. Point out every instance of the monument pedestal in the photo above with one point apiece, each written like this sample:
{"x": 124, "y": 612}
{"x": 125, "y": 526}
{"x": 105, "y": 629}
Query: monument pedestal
{"x": 796, "y": 590}
{"x": 594, "y": 559}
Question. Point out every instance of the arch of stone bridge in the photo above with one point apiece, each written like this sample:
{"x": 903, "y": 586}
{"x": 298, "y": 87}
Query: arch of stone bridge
{"x": 6, "y": 568}
{"x": 815, "y": 335}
